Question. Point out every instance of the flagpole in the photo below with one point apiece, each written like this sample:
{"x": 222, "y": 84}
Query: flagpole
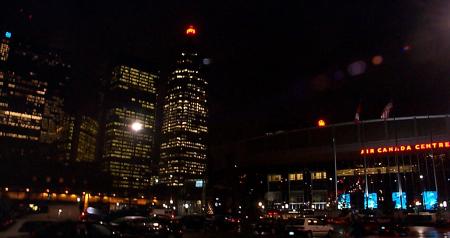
{"x": 399, "y": 182}
{"x": 335, "y": 169}
{"x": 366, "y": 189}
{"x": 432, "y": 159}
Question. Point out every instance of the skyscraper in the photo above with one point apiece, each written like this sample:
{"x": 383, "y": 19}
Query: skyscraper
{"x": 129, "y": 128}
{"x": 184, "y": 130}
{"x": 78, "y": 139}
{"x": 31, "y": 84}
{"x": 31, "y": 102}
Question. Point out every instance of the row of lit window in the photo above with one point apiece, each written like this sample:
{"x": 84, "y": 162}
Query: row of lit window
{"x": 375, "y": 170}
{"x": 184, "y": 144}
{"x": 182, "y": 155}
{"x": 297, "y": 176}
{"x": 18, "y": 136}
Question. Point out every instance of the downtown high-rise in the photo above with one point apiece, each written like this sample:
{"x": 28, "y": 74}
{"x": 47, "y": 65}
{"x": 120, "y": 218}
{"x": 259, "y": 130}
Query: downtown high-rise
{"x": 129, "y": 128}
{"x": 183, "y": 152}
{"x": 32, "y": 81}
{"x": 78, "y": 142}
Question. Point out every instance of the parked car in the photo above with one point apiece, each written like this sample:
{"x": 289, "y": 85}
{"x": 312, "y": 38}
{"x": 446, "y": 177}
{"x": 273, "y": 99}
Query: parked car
{"x": 308, "y": 227}
{"x": 139, "y": 226}
{"x": 26, "y": 226}
{"x": 193, "y": 222}
{"x": 392, "y": 229}
{"x": 75, "y": 229}
{"x": 264, "y": 229}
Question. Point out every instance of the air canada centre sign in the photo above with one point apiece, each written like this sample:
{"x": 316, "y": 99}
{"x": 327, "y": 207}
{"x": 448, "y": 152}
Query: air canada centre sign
{"x": 405, "y": 148}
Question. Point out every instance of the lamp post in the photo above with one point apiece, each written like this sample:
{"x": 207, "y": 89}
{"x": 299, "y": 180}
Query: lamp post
{"x": 135, "y": 128}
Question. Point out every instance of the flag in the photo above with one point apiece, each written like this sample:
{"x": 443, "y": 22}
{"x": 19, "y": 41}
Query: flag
{"x": 357, "y": 114}
{"x": 387, "y": 109}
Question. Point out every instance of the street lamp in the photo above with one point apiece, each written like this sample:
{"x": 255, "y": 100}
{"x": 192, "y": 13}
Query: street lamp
{"x": 136, "y": 126}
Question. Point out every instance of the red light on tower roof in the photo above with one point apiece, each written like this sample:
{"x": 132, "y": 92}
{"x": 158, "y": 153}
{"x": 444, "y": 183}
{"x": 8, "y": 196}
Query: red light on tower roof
{"x": 321, "y": 123}
{"x": 191, "y": 31}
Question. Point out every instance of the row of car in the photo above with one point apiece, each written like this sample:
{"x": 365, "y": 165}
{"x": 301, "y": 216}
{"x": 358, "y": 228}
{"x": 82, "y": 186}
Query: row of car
{"x": 309, "y": 227}
{"x": 127, "y": 224}
{"x": 40, "y": 225}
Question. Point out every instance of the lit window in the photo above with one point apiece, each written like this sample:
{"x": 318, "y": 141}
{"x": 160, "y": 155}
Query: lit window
{"x": 296, "y": 177}
{"x": 318, "y": 175}
{"x": 273, "y": 178}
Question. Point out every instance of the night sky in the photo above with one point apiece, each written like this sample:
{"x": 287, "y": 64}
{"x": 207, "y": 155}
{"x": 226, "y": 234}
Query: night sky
{"x": 276, "y": 65}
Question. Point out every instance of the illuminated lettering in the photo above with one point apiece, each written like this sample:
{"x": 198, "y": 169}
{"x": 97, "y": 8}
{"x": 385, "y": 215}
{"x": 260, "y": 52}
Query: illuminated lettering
{"x": 388, "y": 149}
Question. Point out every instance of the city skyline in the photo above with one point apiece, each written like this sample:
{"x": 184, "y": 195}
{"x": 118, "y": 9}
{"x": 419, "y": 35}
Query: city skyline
{"x": 299, "y": 77}
{"x": 178, "y": 118}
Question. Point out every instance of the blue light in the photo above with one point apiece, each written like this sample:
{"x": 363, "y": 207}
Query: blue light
{"x": 199, "y": 183}
{"x": 430, "y": 200}
{"x": 344, "y": 201}
{"x": 400, "y": 202}
{"x": 8, "y": 34}
{"x": 371, "y": 201}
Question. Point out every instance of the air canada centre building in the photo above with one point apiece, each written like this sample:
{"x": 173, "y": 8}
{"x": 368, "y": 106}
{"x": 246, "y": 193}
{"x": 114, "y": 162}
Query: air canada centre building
{"x": 398, "y": 163}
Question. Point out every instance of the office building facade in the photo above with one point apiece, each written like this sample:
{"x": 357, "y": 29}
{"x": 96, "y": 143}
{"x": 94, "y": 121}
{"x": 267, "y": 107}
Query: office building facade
{"x": 127, "y": 150}
{"x": 31, "y": 85}
{"x": 78, "y": 141}
{"x": 183, "y": 152}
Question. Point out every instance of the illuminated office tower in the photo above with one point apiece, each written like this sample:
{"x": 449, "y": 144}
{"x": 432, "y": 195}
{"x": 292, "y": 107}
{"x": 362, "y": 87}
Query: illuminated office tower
{"x": 57, "y": 73}
{"x": 184, "y": 130}
{"x": 31, "y": 91}
{"x": 22, "y": 99}
{"x": 129, "y": 128}
{"x": 79, "y": 139}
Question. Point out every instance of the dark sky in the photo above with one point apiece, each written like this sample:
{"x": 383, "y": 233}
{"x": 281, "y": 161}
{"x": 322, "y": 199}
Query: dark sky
{"x": 276, "y": 65}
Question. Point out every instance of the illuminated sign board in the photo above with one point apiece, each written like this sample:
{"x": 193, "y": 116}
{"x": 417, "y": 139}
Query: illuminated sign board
{"x": 199, "y": 183}
{"x": 405, "y": 148}
{"x": 344, "y": 201}
{"x": 399, "y": 201}
{"x": 371, "y": 201}
{"x": 430, "y": 200}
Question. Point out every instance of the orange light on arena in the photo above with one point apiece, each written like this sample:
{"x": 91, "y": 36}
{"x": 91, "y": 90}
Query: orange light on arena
{"x": 321, "y": 123}
{"x": 377, "y": 60}
{"x": 405, "y": 148}
{"x": 191, "y": 30}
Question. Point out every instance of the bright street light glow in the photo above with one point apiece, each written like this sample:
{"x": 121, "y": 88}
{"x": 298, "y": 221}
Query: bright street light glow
{"x": 136, "y": 126}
